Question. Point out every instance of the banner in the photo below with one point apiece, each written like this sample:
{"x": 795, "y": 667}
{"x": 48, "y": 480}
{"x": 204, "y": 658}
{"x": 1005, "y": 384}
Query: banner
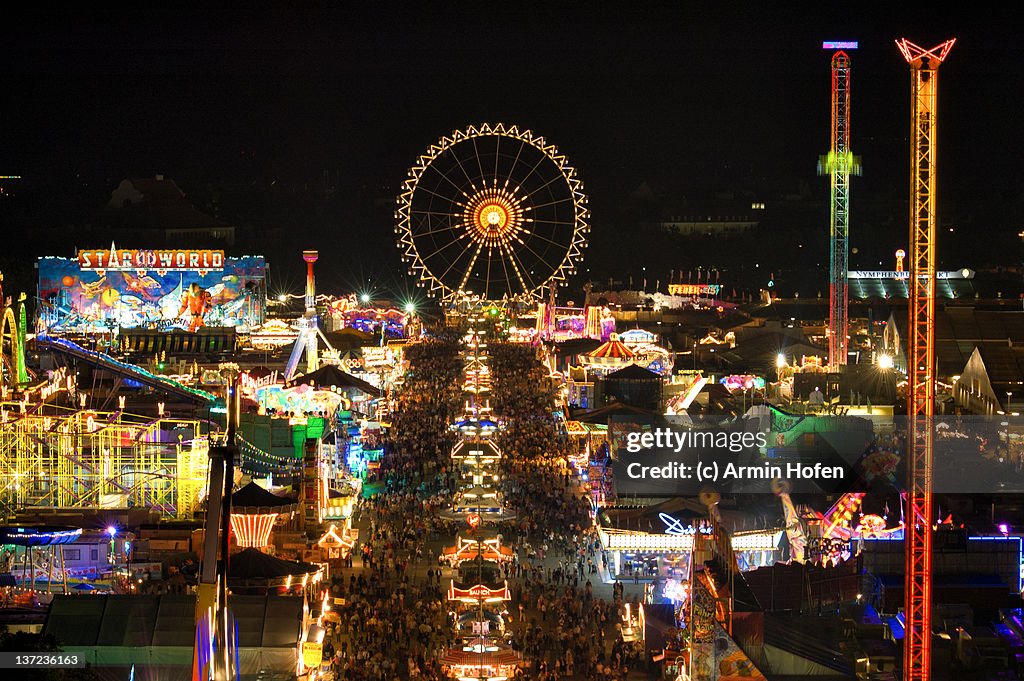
{"x": 702, "y": 616}
{"x": 312, "y": 654}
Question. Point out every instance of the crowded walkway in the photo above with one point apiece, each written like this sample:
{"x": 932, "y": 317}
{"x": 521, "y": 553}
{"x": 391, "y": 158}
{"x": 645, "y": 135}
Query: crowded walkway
{"x": 394, "y": 619}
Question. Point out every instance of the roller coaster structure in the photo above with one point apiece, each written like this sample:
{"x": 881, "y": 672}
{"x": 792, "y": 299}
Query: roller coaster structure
{"x": 12, "y": 345}
{"x": 54, "y": 457}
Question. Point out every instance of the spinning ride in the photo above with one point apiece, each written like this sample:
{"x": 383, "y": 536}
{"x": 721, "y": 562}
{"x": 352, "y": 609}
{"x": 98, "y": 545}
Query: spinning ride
{"x": 491, "y": 212}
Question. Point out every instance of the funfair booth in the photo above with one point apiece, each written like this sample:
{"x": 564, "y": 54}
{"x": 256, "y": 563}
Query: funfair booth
{"x": 647, "y": 543}
{"x": 481, "y": 660}
{"x": 480, "y": 544}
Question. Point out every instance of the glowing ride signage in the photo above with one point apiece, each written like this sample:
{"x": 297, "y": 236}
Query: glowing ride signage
{"x": 903, "y": 274}
{"x": 479, "y": 592}
{"x": 694, "y": 289}
{"x": 125, "y": 259}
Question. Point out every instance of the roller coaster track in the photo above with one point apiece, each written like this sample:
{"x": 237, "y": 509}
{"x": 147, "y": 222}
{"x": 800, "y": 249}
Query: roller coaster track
{"x": 131, "y": 371}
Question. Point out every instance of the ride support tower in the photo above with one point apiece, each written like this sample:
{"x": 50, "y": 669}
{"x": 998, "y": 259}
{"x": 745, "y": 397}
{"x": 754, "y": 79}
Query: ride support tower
{"x": 924, "y": 83}
{"x": 839, "y": 164}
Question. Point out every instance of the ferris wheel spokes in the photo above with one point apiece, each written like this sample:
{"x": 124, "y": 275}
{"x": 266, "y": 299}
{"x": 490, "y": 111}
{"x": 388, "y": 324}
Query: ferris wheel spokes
{"x": 527, "y": 209}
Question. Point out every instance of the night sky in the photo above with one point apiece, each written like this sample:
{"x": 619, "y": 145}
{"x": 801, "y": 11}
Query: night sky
{"x": 691, "y": 98}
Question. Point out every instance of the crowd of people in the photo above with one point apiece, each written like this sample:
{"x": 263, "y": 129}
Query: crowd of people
{"x": 565, "y": 625}
{"x": 538, "y": 480}
{"x": 393, "y": 621}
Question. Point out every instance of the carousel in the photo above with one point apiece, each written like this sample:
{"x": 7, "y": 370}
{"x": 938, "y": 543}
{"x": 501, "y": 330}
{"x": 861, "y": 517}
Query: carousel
{"x": 42, "y": 557}
{"x": 254, "y": 512}
{"x": 482, "y": 659}
{"x": 610, "y": 356}
{"x": 483, "y": 622}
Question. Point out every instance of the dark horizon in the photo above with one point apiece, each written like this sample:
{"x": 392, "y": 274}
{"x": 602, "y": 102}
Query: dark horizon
{"x": 691, "y": 102}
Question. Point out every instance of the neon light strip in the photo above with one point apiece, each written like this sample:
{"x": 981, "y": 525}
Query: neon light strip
{"x": 253, "y": 531}
{"x": 1020, "y": 554}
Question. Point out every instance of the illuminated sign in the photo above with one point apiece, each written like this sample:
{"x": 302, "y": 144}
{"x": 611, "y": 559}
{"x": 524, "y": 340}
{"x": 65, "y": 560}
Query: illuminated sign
{"x": 839, "y": 45}
{"x": 824, "y": 550}
{"x": 480, "y": 592}
{"x": 312, "y": 654}
{"x": 377, "y": 357}
{"x": 674, "y": 526}
{"x": 903, "y": 274}
{"x": 249, "y": 384}
{"x": 617, "y": 540}
{"x": 58, "y": 381}
{"x": 80, "y": 296}
{"x": 694, "y": 289}
{"x": 743, "y": 382}
{"x": 123, "y": 259}
{"x": 757, "y": 541}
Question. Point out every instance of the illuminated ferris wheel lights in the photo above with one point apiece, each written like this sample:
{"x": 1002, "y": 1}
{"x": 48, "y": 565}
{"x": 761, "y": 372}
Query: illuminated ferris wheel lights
{"x": 440, "y": 232}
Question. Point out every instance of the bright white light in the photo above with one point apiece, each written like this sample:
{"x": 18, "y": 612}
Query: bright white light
{"x": 365, "y": 297}
{"x": 780, "y": 360}
{"x": 282, "y": 298}
{"x": 885, "y": 361}
{"x": 410, "y": 308}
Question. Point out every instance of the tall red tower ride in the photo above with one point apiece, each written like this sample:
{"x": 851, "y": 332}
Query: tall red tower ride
{"x": 924, "y": 83}
{"x": 839, "y": 165}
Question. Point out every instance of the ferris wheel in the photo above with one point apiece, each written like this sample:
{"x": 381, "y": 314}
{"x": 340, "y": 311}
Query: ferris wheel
{"x": 491, "y": 211}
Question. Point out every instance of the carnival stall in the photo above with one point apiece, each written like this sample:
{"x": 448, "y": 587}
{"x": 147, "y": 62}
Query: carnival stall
{"x": 338, "y": 544}
{"x": 652, "y": 542}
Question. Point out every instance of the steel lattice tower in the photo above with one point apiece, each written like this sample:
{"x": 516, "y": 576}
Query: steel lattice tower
{"x": 924, "y": 77}
{"x": 839, "y": 165}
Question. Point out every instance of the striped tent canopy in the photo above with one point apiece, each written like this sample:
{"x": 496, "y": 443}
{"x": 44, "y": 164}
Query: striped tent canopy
{"x": 611, "y": 353}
